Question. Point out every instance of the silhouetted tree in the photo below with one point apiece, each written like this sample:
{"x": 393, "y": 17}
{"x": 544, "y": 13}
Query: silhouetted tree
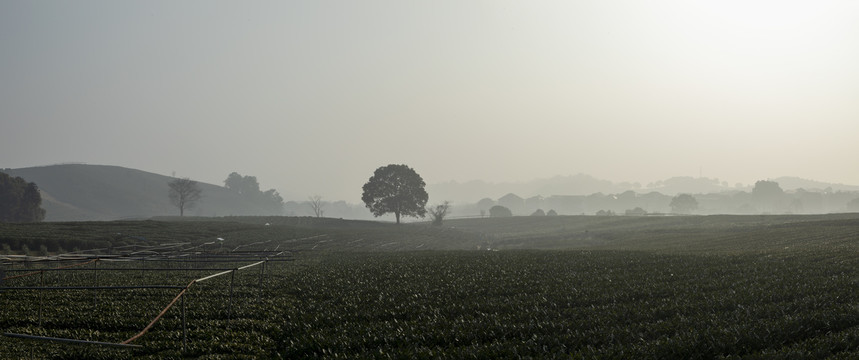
{"x": 484, "y": 204}
{"x": 499, "y": 211}
{"x": 316, "y": 204}
{"x": 768, "y": 195}
{"x": 20, "y": 201}
{"x": 683, "y": 204}
{"x": 272, "y": 201}
{"x": 248, "y": 187}
{"x": 552, "y": 213}
{"x": 439, "y": 212}
{"x": 234, "y": 182}
{"x": 396, "y": 189}
{"x": 538, "y": 212}
{"x": 245, "y": 185}
{"x": 636, "y": 212}
{"x": 184, "y": 193}
{"x": 766, "y": 189}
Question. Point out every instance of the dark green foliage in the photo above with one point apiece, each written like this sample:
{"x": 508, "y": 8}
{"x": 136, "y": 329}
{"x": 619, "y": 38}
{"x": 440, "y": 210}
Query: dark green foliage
{"x": 753, "y": 287}
{"x": 768, "y": 195}
{"x": 97, "y": 237}
{"x": 20, "y": 201}
{"x": 636, "y": 212}
{"x": 499, "y": 211}
{"x": 396, "y": 189}
{"x": 556, "y": 304}
{"x": 268, "y": 201}
{"x": 683, "y": 204}
{"x": 543, "y": 304}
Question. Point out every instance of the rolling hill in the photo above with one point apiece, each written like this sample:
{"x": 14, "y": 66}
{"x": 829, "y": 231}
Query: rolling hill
{"x": 80, "y": 192}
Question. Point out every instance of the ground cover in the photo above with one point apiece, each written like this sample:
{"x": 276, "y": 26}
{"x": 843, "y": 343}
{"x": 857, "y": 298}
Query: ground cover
{"x": 705, "y": 287}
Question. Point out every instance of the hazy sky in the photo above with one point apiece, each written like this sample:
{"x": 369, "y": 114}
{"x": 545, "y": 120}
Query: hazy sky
{"x": 312, "y": 96}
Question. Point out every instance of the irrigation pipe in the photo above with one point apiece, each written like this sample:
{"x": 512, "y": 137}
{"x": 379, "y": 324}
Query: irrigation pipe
{"x": 136, "y": 269}
{"x": 164, "y": 311}
{"x": 214, "y": 275}
{"x": 40, "y": 271}
{"x": 146, "y": 329}
{"x": 252, "y": 244}
{"x": 130, "y": 287}
{"x": 76, "y": 341}
{"x": 161, "y": 314}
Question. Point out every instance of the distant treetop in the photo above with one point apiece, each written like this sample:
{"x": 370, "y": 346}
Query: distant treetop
{"x": 20, "y": 201}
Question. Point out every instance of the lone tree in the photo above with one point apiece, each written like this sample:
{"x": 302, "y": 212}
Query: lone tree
{"x": 683, "y": 204}
{"x": 396, "y": 189}
{"x": 768, "y": 195}
{"x": 316, "y": 204}
{"x": 20, "y": 201}
{"x": 499, "y": 211}
{"x": 439, "y": 212}
{"x": 184, "y": 193}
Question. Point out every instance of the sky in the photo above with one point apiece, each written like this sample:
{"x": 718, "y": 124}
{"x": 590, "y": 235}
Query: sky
{"x": 312, "y": 96}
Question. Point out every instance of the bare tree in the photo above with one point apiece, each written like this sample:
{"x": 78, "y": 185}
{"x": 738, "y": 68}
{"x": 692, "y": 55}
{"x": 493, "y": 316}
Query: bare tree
{"x": 316, "y": 204}
{"x": 184, "y": 193}
{"x": 438, "y": 212}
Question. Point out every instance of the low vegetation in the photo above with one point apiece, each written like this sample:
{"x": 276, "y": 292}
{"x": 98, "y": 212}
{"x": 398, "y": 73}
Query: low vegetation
{"x": 600, "y": 287}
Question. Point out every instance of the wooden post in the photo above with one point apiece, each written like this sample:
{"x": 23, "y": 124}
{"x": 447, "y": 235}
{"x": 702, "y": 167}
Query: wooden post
{"x": 232, "y": 280}
{"x": 42, "y": 284}
{"x": 95, "y": 275}
{"x": 261, "y": 274}
{"x": 184, "y": 328}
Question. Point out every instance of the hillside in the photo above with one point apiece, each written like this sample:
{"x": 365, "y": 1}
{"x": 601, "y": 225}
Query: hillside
{"x": 79, "y": 192}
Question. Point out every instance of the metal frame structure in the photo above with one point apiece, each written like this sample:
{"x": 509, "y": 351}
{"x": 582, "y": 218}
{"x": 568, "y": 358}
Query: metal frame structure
{"x": 187, "y": 259}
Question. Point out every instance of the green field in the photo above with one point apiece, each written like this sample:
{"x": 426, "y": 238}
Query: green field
{"x": 547, "y": 287}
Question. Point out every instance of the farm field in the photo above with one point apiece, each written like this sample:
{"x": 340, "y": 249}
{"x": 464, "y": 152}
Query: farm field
{"x": 553, "y": 287}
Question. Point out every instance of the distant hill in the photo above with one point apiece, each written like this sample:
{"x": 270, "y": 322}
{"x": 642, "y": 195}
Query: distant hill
{"x": 582, "y": 185}
{"x": 78, "y": 192}
{"x": 793, "y": 183}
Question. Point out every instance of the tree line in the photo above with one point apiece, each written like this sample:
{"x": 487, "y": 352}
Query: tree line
{"x": 766, "y": 197}
{"x": 185, "y": 193}
{"x": 20, "y": 201}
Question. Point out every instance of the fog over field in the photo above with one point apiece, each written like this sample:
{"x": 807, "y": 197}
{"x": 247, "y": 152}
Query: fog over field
{"x": 311, "y": 97}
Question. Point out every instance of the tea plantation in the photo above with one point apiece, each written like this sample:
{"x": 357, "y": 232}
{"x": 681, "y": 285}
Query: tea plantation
{"x": 562, "y": 287}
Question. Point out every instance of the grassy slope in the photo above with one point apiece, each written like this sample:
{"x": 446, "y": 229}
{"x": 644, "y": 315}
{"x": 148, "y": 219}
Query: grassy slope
{"x": 77, "y": 192}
